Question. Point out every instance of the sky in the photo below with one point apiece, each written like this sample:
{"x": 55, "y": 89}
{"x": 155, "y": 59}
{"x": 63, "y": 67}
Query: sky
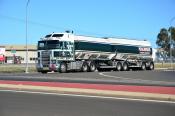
{"x": 132, "y": 19}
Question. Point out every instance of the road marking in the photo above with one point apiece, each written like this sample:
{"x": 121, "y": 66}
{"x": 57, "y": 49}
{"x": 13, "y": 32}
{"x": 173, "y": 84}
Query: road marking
{"x": 143, "y": 80}
{"x": 87, "y": 96}
{"x": 102, "y": 74}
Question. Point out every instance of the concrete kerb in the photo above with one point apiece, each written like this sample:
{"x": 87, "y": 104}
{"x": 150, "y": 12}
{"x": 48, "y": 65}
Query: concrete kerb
{"x": 161, "y": 69}
{"x": 171, "y": 69}
{"x": 79, "y": 91}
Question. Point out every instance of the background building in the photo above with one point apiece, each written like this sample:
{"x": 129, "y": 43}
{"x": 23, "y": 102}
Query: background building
{"x": 17, "y": 53}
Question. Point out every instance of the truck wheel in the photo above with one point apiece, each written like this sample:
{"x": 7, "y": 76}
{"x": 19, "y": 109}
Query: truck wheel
{"x": 119, "y": 66}
{"x": 63, "y": 68}
{"x": 151, "y": 66}
{"x": 125, "y": 66}
{"x": 143, "y": 66}
{"x": 92, "y": 67}
{"x": 84, "y": 67}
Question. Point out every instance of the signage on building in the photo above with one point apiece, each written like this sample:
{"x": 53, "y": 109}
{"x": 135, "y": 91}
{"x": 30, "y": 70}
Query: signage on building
{"x": 2, "y": 51}
{"x": 13, "y": 51}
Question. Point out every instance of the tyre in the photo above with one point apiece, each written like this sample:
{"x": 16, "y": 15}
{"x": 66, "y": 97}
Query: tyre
{"x": 125, "y": 66}
{"x": 143, "y": 66}
{"x": 151, "y": 66}
{"x": 84, "y": 67}
{"x": 63, "y": 68}
{"x": 119, "y": 66}
{"x": 92, "y": 67}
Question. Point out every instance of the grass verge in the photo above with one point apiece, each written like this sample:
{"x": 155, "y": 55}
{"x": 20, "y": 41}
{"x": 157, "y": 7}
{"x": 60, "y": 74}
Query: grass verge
{"x": 164, "y": 65}
{"x": 16, "y": 68}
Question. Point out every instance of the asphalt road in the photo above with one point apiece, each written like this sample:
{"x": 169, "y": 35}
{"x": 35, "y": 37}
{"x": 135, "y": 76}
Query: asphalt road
{"x": 35, "y": 104}
{"x": 160, "y": 78}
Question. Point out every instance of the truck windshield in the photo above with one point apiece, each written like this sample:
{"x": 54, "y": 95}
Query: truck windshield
{"x": 53, "y": 44}
{"x": 57, "y": 35}
{"x": 47, "y": 36}
{"x": 54, "y": 35}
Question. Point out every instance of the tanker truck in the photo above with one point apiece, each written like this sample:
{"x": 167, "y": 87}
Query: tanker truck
{"x": 65, "y": 52}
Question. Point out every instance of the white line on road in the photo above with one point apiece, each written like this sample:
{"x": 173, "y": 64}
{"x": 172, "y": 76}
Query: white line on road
{"x": 102, "y": 74}
{"x": 88, "y": 96}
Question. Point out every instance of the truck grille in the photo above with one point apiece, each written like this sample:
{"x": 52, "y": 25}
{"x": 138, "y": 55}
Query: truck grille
{"x": 45, "y": 58}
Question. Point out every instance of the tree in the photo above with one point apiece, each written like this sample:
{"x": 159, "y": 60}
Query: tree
{"x": 172, "y": 31}
{"x": 163, "y": 38}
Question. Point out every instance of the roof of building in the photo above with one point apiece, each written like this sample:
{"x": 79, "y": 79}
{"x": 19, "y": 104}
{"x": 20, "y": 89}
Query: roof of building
{"x": 19, "y": 47}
